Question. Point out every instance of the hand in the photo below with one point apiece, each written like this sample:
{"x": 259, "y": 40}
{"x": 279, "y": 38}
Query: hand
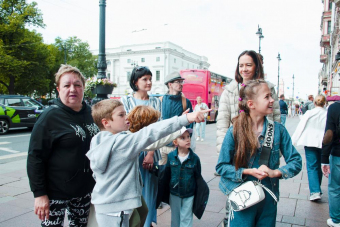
{"x": 148, "y": 161}
{"x": 271, "y": 173}
{"x": 259, "y": 174}
{"x": 326, "y": 170}
{"x": 197, "y": 116}
{"x": 186, "y": 111}
{"x": 42, "y": 207}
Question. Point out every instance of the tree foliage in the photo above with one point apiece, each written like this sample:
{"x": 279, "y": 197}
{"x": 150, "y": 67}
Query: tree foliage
{"x": 78, "y": 54}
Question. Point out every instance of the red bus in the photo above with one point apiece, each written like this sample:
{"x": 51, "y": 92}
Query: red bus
{"x": 208, "y": 85}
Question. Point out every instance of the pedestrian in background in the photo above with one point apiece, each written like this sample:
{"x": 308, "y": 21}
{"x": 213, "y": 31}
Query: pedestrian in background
{"x": 200, "y": 127}
{"x": 330, "y": 160}
{"x": 141, "y": 84}
{"x": 289, "y": 110}
{"x": 174, "y": 104}
{"x": 309, "y": 133}
{"x": 58, "y": 170}
{"x": 283, "y": 109}
{"x": 248, "y": 67}
{"x": 293, "y": 110}
{"x": 239, "y": 160}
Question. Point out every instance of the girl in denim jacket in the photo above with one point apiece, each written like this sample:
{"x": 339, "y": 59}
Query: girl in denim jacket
{"x": 241, "y": 149}
{"x": 182, "y": 168}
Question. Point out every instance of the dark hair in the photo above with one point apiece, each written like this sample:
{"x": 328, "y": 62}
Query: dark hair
{"x": 282, "y": 96}
{"x": 137, "y": 73}
{"x": 245, "y": 140}
{"x": 258, "y": 70}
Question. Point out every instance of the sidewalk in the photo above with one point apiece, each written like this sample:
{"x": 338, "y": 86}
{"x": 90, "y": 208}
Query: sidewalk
{"x": 294, "y": 208}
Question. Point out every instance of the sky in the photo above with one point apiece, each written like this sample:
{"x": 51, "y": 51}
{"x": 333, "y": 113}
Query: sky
{"x": 217, "y": 29}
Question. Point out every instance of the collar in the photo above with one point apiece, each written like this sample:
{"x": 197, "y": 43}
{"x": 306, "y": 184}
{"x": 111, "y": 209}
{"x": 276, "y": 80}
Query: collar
{"x": 190, "y": 153}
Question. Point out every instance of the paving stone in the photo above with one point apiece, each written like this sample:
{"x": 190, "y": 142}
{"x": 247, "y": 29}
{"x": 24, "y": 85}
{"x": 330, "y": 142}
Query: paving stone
{"x": 298, "y": 196}
{"x": 313, "y": 223}
{"x": 278, "y": 218}
{"x": 311, "y": 210}
{"x": 6, "y": 199}
{"x": 30, "y": 220}
{"x": 286, "y": 206}
{"x": 280, "y": 224}
{"x": 216, "y": 202}
{"x": 5, "y": 180}
{"x": 19, "y": 202}
{"x": 27, "y": 195}
{"x": 11, "y": 191}
{"x": 19, "y": 184}
{"x": 291, "y": 187}
{"x": 293, "y": 220}
{"x": 8, "y": 212}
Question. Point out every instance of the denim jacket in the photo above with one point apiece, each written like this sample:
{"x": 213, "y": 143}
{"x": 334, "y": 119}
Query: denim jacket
{"x": 232, "y": 178}
{"x": 183, "y": 176}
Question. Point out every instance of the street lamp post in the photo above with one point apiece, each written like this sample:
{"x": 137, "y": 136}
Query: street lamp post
{"x": 278, "y": 75}
{"x": 259, "y": 34}
{"x": 293, "y": 87}
{"x": 67, "y": 49}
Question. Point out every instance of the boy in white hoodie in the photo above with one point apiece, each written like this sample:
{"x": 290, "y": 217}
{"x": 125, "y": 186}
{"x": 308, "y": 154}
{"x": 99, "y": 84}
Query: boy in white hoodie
{"x": 114, "y": 159}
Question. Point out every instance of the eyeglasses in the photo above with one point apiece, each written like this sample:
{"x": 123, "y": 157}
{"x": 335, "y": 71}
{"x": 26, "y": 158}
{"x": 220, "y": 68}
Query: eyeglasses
{"x": 179, "y": 81}
{"x": 140, "y": 68}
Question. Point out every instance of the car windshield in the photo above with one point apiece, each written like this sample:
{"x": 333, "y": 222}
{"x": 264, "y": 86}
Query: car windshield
{"x": 31, "y": 103}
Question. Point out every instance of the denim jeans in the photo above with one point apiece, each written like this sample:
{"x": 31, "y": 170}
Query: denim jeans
{"x": 262, "y": 214}
{"x": 200, "y": 129}
{"x": 181, "y": 211}
{"x": 333, "y": 189}
{"x": 283, "y": 119}
{"x": 313, "y": 163}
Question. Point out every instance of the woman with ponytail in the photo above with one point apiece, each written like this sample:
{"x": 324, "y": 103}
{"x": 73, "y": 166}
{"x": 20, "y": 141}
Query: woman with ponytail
{"x": 239, "y": 159}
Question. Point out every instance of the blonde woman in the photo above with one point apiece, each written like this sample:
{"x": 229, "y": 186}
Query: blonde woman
{"x": 309, "y": 133}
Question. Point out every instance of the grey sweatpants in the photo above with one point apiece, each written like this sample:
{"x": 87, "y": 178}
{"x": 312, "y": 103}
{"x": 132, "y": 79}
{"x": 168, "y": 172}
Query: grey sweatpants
{"x": 104, "y": 220}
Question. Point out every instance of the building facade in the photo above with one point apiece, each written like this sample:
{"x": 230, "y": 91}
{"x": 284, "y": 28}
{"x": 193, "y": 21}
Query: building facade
{"x": 330, "y": 48}
{"x": 161, "y": 58}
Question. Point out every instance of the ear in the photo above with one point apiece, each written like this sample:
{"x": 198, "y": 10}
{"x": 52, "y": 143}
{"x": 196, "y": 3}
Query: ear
{"x": 105, "y": 123}
{"x": 175, "y": 142}
{"x": 251, "y": 104}
{"x": 58, "y": 89}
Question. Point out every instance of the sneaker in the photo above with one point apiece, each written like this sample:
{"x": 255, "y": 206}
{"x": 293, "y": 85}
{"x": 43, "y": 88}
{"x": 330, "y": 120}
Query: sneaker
{"x": 315, "y": 196}
{"x": 331, "y": 223}
{"x": 202, "y": 139}
{"x": 198, "y": 138}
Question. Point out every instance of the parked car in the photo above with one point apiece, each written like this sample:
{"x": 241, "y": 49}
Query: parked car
{"x": 18, "y": 111}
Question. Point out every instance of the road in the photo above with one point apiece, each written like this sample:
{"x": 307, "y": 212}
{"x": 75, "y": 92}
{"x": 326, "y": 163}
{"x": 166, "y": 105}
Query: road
{"x": 14, "y": 145}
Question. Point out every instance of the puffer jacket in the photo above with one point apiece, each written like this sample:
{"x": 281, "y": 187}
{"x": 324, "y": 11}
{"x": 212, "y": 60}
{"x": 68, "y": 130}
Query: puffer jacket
{"x": 228, "y": 109}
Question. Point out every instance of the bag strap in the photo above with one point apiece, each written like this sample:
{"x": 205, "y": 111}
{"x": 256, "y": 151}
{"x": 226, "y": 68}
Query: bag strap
{"x": 267, "y": 189}
{"x": 184, "y": 103}
{"x": 267, "y": 144}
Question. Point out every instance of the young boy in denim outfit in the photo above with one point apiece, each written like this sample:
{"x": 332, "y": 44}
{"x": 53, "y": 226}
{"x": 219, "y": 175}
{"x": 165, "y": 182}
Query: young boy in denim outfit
{"x": 183, "y": 168}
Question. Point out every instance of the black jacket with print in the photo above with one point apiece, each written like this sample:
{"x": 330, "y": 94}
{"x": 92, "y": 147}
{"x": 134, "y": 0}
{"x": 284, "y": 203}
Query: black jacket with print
{"x": 56, "y": 162}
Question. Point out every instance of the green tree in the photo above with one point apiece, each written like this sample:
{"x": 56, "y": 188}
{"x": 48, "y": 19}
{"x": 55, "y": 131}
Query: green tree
{"x": 78, "y": 54}
{"x": 24, "y": 58}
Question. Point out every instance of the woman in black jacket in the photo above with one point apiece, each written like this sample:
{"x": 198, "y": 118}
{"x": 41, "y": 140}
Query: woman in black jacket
{"x": 58, "y": 170}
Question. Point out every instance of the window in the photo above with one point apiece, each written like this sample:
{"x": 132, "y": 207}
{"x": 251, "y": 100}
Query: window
{"x": 128, "y": 75}
{"x": 174, "y": 60}
{"x": 158, "y": 58}
{"x": 13, "y": 102}
{"x": 31, "y": 103}
{"x": 128, "y": 50}
{"x": 329, "y": 27}
{"x": 142, "y": 59}
{"x": 330, "y": 6}
{"x": 129, "y": 61}
{"x": 158, "y": 75}
{"x": 157, "y": 47}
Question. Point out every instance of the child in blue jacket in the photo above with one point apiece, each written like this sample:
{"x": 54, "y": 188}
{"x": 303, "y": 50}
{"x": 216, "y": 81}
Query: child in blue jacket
{"x": 183, "y": 168}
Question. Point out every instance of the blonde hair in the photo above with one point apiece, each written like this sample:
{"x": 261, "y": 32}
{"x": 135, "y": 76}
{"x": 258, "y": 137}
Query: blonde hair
{"x": 142, "y": 116}
{"x": 320, "y": 100}
{"x": 103, "y": 110}
{"x": 68, "y": 69}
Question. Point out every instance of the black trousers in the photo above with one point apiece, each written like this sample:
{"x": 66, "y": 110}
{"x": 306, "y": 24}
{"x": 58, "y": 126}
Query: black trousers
{"x": 77, "y": 210}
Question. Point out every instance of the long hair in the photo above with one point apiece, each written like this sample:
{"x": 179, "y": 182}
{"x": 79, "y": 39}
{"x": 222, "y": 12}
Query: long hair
{"x": 259, "y": 68}
{"x": 244, "y": 137}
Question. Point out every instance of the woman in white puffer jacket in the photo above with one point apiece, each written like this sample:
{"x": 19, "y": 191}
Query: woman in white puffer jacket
{"x": 249, "y": 67}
